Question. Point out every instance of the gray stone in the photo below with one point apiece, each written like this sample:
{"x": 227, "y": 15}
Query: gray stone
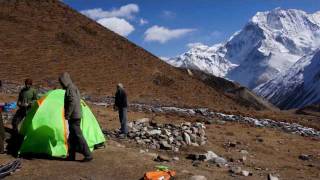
{"x": 187, "y": 138}
{"x": 210, "y": 155}
{"x": 219, "y": 160}
{"x": 164, "y": 145}
{"x": 162, "y": 158}
{"x": 171, "y": 139}
{"x": 193, "y": 138}
{"x": 271, "y": 177}
{"x": 154, "y": 132}
{"x": 304, "y": 157}
{"x": 245, "y": 152}
{"x": 176, "y": 158}
{"x": 235, "y": 170}
{"x": 245, "y": 173}
{"x": 194, "y": 144}
{"x": 197, "y": 177}
{"x": 196, "y": 163}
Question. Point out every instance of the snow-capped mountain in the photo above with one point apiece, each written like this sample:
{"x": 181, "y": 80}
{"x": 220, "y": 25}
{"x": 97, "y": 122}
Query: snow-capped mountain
{"x": 204, "y": 58}
{"x": 269, "y": 44}
{"x": 296, "y": 87}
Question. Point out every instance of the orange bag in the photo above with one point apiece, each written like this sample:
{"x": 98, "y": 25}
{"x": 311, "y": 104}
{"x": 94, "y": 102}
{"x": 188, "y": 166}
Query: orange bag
{"x": 159, "y": 175}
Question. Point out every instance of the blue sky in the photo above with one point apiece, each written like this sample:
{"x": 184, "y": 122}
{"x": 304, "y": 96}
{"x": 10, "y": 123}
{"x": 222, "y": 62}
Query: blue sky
{"x": 166, "y": 27}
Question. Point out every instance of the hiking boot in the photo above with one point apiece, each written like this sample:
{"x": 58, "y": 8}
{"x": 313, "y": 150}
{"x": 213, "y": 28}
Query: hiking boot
{"x": 87, "y": 159}
{"x": 122, "y": 136}
{"x": 71, "y": 158}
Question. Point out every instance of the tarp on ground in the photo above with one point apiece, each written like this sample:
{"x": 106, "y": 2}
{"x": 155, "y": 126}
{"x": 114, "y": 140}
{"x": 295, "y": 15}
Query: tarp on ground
{"x": 45, "y": 129}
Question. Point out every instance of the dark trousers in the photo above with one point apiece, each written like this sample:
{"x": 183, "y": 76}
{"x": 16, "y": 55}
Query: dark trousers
{"x": 123, "y": 120}
{"x": 17, "y": 118}
{"x": 76, "y": 140}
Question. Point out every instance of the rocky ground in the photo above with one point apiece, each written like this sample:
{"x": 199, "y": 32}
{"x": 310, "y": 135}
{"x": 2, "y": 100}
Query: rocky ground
{"x": 237, "y": 149}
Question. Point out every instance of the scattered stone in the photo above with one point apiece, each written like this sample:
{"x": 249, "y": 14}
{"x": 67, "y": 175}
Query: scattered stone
{"x": 235, "y": 170}
{"x": 154, "y": 132}
{"x": 197, "y": 177}
{"x": 304, "y": 157}
{"x": 210, "y": 155}
{"x": 243, "y": 159}
{"x": 142, "y": 151}
{"x": 244, "y": 152}
{"x": 187, "y": 138}
{"x": 194, "y": 144}
{"x": 219, "y": 160}
{"x": 196, "y": 163}
{"x": 162, "y": 158}
{"x": 164, "y": 145}
{"x": 176, "y": 158}
{"x": 232, "y": 144}
{"x": 165, "y": 136}
{"x": 246, "y": 173}
{"x": 271, "y": 177}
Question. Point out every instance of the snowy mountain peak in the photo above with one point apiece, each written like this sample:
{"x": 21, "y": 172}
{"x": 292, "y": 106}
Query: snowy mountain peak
{"x": 269, "y": 44}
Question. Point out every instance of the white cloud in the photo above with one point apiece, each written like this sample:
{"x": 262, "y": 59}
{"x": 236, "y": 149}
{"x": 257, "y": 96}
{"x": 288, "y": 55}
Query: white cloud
{"x": 143, "y": 21}
{"x": 196, "y": 44}
{"x": 118, "y": 25}
{"x": 126, "y": 11}
{"x": 163, "y": 34}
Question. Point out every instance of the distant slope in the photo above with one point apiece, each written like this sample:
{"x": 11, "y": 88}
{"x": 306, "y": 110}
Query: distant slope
{"x": 297, "y": 87}
{"x": 43, "y": 38}
{"x": 238, "y": 93}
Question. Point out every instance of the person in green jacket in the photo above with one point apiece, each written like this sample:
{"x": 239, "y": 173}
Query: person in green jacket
{"x": 27, "y": 96}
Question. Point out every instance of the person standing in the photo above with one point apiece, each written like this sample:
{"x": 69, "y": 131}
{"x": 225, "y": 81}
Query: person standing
{"x": 72, "y": 112}
{"x": 27, "y": 96}
{"x": 121, "y": 104}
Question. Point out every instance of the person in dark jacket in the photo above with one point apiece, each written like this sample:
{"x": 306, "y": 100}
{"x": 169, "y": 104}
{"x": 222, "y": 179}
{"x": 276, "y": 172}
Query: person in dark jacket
{"x": 27, "y": 96}
{"x": 72, "y": 112}
{"x": 121, "y": 104}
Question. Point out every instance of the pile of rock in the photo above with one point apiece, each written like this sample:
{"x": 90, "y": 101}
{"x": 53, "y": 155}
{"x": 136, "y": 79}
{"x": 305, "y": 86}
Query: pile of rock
{"x": 167, "y": 136}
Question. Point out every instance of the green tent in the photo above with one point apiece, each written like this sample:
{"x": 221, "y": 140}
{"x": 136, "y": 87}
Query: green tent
{"x": 45, "y": 129}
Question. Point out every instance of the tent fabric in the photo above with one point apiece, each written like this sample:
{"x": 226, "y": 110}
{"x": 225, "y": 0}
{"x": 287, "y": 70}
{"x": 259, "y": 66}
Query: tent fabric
{"x": 45, "y": 129}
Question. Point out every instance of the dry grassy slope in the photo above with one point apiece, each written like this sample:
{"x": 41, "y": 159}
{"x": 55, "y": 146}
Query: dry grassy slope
{"x": 43, "y": 38}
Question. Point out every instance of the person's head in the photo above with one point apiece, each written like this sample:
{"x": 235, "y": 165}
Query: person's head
{"x": 65, "y": 80}
{"x": 28, "y": 83}
{"x": 120, "y": 86}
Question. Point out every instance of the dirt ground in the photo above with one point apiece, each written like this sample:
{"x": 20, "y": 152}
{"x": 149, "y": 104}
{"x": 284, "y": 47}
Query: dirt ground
{"x": 270, "y": 151}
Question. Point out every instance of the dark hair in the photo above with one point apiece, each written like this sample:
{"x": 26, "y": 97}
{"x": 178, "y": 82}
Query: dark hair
{"x": 28, "y": 82}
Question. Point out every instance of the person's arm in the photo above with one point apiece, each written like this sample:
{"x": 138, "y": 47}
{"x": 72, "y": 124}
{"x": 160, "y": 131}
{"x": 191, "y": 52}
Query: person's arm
{"x": 35, "y": 95}
{"x": 125, "y": 100}
{"x": 19, "y": 102}
{"x": 69, "y": 103}
{"x": 116, "y": 101}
